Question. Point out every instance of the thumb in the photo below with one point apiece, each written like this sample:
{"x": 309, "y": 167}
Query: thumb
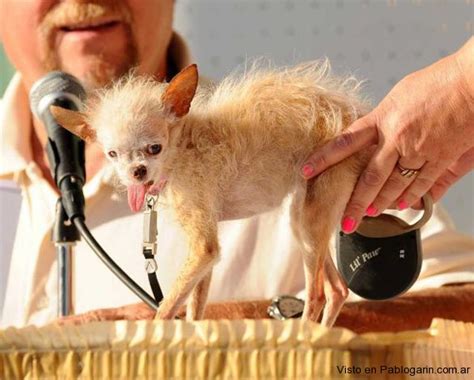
{"x": 360, "y": 134}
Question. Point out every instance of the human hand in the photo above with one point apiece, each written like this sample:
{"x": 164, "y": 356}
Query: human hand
{"x": 425, "y": 123}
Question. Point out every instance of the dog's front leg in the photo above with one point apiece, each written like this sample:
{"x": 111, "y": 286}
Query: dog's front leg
{"x": 198, "y": 265}
{"x": 197, "y": 302}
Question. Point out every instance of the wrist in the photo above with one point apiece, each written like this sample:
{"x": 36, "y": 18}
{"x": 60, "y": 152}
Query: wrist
{"x": 464, "y": 59}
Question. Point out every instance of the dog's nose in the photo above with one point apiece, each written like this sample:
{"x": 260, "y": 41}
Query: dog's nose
{"x": 139, "y": 172}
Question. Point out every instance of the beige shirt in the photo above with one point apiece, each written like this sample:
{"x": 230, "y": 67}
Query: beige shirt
{"x": 259, "y": 257}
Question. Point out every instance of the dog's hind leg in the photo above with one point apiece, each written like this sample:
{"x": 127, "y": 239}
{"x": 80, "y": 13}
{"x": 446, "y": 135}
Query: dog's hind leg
{"x": 314, "y": 295}
{"x": 197, "y": 302}
{"x": 335, "y": 292}
{"x": 316, "y": 212}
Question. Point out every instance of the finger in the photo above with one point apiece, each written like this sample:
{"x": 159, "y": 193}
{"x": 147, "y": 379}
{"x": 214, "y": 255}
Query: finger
{"x": 370, "y": 182}
{"x": 421, "y": 185}
{"x": 418, "y": 205}
{"x": 395, "y": 185}
{"x": 460, "y": 168}
{"x": 357, "y": 136}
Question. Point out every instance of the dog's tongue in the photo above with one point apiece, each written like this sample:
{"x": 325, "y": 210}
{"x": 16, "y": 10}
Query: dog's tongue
{"x": 136, "y": 197}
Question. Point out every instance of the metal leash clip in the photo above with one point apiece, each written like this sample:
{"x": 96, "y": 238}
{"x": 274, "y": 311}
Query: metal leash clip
{"x": 150, "y": 232}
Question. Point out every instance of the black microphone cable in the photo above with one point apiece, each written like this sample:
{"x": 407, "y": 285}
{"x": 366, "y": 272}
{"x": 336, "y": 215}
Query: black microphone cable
{"x": 66, "y": 158}
{"x": 81, "y": 226}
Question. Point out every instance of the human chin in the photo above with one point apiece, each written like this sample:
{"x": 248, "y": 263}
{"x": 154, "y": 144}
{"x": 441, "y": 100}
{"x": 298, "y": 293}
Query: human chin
{"x": 95, "y": 71}
{"x": 96, "y": 58}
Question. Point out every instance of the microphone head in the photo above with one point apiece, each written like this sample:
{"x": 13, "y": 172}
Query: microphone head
{"x": 56, "y": 85}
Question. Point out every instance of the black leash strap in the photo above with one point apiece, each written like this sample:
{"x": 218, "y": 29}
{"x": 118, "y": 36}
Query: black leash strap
{"x": 150, "y": 232}
{"x": 151, "y": 267}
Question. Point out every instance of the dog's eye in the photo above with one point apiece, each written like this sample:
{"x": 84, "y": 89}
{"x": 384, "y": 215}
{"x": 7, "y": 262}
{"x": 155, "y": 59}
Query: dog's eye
{"x": 153, "y": 149}
{"x": 112, "y": 153}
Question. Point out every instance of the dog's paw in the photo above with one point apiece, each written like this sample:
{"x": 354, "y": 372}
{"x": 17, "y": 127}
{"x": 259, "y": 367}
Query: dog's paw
{"x": 165, "y": 313}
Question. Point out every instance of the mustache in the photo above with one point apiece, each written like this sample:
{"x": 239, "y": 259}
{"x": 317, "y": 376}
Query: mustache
{"x": 80, "y": 12}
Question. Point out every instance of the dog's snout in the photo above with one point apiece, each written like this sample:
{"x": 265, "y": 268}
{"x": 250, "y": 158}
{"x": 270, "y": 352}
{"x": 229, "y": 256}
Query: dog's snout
{"x": 139, "y": 172}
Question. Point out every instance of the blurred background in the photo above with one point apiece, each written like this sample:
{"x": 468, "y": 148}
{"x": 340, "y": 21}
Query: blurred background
{"x": 379, "y": 41}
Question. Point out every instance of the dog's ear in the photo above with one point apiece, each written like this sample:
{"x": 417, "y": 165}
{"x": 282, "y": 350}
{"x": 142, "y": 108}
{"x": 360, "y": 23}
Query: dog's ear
{"x": 74, "y": 122}
{"x": 180, "y": 92}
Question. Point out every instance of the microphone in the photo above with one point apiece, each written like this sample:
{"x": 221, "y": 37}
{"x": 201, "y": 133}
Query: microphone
{"x": 66, "y": 159}
{"x": 65, "y": 151}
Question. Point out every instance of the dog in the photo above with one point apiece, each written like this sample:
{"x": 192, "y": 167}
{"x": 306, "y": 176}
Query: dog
{"x": 232, "y": 151}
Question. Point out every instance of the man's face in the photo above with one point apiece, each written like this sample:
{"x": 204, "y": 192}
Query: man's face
{"x": 95, "y": 40}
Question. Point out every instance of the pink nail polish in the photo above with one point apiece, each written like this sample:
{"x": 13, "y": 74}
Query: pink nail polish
{"x": 308, "y": 170}
{"x": 371, "y": 210}
{"x": 348, "y": 224}
{"x": 402, "y": 205}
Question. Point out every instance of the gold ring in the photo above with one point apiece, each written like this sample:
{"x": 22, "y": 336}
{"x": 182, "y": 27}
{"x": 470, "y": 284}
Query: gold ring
{"x": 408, "y": 173}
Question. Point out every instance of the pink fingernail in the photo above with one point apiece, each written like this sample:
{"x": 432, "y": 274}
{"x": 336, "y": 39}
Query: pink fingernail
{"x": 371, "y": 210}
{"x": 308, "y": 170}
{"x": 402, "y": 205}
{"x": 348, "y": 224}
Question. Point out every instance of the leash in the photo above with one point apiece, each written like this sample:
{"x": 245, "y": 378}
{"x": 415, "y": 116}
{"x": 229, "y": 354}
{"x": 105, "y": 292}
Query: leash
{"x": 382, "y": 259}
{"x": 149, "y": 247}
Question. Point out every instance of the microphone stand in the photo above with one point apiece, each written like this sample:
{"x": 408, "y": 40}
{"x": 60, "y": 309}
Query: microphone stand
{"x": 65, "y": 235}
